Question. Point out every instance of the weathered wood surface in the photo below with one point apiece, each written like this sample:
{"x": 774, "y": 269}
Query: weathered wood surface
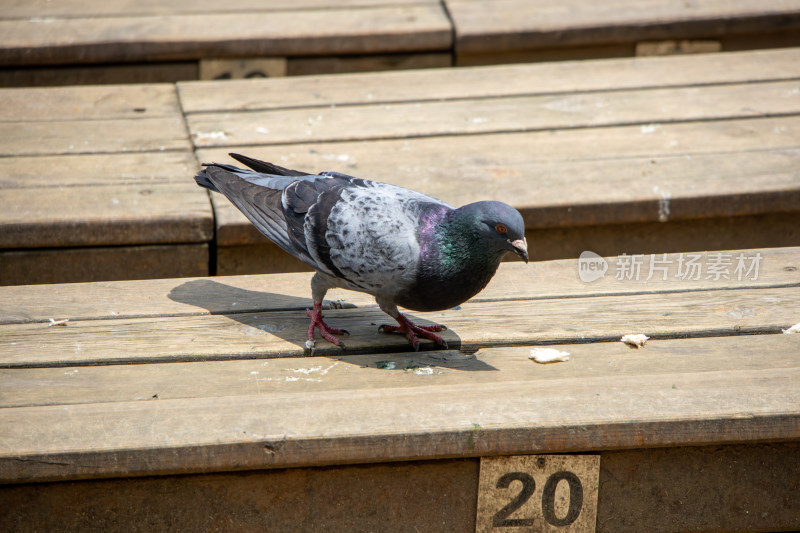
{"x": 514, "y": 25}
{"x": 283, "y": 333}
{"x": 779, "y": 267}
{"x": 526, "y": 414}
{"x": 493, "y": 81}
{"x": 210, "y": 319}
{"x": 748, "y": 487}
{"x": 98, "y": 166}
{"x": 442, "y": 494}
{"x": 150, "y": 379}
{"x": 89, "y": 263}
{"x": 614, "y": 146}
{"x": 497, "y": 115}
{"x": 234, "y": 32}
{"x": 572, "y": 178}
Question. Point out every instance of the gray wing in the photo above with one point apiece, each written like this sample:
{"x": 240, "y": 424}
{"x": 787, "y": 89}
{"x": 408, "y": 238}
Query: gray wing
{"x": 362, "y": 232}
{"x": 373, "y": 236}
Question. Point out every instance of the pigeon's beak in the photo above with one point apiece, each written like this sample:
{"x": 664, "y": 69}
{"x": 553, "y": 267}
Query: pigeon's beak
{"x": 520, "y": 248}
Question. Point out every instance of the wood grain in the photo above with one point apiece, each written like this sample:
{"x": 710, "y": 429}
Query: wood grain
{"x": 492, "y": 81}
{"x": 283, "y": 333}
{"x": 98, "y": 170}
{"x": 76, "y": 265}
{"x": 91, "y": 216}
{"x": 517, "y": 24}
{"x": 496, "y": 115}
{"x": 123, "y": 383}
{"x": 760, "y": 491}
{"x": 567, "y": 177}
{"x": 379, "y": 29}
{"x": 279, "y": 430}
{"x": 82, "y": 8}
{"x": 92, "y": 102}
{"x": 779, "y": 267}
{"x": 92, "y": 136}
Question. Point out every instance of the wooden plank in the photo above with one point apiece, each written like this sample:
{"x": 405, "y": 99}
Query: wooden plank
{"x": 282, "y": 430}
{"x": 719, "y": 234}
{"x": 92, "y": 136}
{"x": 494, "y": 81}
{"x": 759, "y": 493}
{"x": 570, "y": 53}
{"x": 166, "y": 72}
{"x": 25, "y": 387}
{"x": 92, "y": 216}
{"x": 300, "y": 66}
{"x": 528, "y": 113}
{"x": 570, "y": 177}
{"x": 409, "y": 28}
{"x": 81, "y": 8}
{"x": 97, "y": 263}
{"x": 97, "y": 170}
{"x": 85, "y": 103}
{"x": 283, "y": 333}
{"x": 517, "y": 24}
{"x": 265, "y": 258}
{"x": 779, "y": 267}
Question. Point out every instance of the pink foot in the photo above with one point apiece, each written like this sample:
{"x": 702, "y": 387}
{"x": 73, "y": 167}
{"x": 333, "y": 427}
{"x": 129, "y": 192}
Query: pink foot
{"x": 328, "y": 333}
{"x": 413, "y": 331}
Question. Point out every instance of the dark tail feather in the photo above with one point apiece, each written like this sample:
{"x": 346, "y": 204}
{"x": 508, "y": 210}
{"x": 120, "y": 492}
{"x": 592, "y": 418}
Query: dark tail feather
{"x": 203, "y": 180}
{"x": 266, "y": 168}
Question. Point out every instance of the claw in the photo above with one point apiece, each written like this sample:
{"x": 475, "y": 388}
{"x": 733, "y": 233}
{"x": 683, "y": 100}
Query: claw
{"x": 328, "y": 333}
{"x": 413, "y": 331}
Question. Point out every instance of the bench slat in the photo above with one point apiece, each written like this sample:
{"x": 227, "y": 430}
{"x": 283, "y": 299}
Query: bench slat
{"x": 571, "y": 177}
{"x": 89, "y": 102}
{"x": 87, "y": 216}
{"x": 488, "y": 82}
{"x": 510, "y": 25}
{"x": 525, "y": 113}
{"x": 93, "y": 8}
{"x": 27, "y": 387}
{"x": 410, "y": 28}
{"x": 779, "y": 267}
{"x": 368, "y": 425}
{"x": 283, "y": 333}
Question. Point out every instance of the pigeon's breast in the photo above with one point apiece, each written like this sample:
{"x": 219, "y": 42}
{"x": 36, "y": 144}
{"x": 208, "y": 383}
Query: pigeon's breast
{"x": 372, "y": 234}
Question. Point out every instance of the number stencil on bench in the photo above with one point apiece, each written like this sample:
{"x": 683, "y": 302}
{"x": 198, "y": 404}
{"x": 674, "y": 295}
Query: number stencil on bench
{"x": 542, "y": 493}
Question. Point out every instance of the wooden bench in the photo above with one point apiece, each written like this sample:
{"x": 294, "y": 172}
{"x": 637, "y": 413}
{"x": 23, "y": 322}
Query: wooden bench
{"x": 75, "y": 41}
{"x": 505, "y": 31}
{"x": 80, "y": 42}
{"x": 96, "y": 184}
{"x": 187, "y": 403}
{"x": 635, "y": 155}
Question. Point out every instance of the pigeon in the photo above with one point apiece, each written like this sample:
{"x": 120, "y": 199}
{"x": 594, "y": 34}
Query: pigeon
{"x": 403, "y": 247}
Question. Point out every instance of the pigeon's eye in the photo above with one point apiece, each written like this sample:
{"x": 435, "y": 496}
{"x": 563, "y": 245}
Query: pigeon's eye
{"x": 501, "y": 228}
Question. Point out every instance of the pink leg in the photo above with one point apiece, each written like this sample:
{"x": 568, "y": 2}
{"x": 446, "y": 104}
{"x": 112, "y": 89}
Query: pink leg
{"x": 328, "y": 333}
{"x": 413, "y": 331}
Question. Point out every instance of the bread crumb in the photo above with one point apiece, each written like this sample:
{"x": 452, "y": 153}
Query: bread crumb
{"x": 635, "y": 341}
{"x": 548, "y": 355}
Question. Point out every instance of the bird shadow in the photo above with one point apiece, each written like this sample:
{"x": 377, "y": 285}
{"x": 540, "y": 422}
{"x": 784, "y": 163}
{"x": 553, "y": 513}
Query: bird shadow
{"x": 251, "y": 307}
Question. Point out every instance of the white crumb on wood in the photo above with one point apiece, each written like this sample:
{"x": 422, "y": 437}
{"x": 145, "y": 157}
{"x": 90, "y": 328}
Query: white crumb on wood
{"x": 636, "y": 341}
{"x": 793, "y": 329}
{"x": 548, "y": 355}
{"x": 54, "y": 322}
{"x": 203, "y": 137}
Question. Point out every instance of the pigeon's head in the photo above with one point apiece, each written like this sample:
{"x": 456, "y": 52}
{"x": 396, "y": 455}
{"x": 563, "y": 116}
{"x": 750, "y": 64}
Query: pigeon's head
{"x": 501, "y": 226}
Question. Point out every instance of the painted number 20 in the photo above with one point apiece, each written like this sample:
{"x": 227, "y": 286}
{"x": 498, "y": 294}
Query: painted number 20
{"x": 501, "y": 518}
